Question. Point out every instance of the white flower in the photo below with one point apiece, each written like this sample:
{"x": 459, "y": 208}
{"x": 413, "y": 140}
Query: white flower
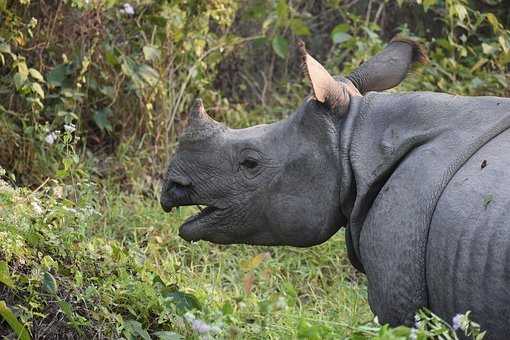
{"x": 127, "y": 9}
{"x": 37, "y": 208}
{"x": 70, "y": 127}
{"x": 457, "y": 321}
{"x": 51, "y": 138}
{"x": 200, "y": 326}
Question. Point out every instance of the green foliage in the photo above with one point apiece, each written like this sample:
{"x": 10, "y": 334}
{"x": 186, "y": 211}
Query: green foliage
{"x": 92, "y": 95}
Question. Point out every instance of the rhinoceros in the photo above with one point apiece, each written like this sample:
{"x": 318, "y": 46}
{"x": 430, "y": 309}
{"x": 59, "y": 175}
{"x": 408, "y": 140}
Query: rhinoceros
{"x": 420, "y": 181}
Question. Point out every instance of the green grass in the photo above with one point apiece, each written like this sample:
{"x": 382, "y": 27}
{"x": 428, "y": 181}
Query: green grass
{"x": 114, "y": 258}
{"x": 87, "y": 262}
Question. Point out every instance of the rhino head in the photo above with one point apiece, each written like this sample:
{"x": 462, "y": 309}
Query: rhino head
{"x": 276, "y": 184}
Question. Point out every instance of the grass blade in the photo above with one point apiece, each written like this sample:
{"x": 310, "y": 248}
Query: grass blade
{"x": 11, "y": 319}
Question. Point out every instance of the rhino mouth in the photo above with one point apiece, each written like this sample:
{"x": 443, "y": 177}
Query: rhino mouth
{"x": 204, "y": 212}
{"x": 193, "y": 227}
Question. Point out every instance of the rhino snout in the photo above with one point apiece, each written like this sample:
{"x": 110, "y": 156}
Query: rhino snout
{"x": 174, "y": 194}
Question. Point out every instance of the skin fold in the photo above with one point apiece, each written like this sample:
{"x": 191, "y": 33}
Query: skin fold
{"x": 400, "y": 171}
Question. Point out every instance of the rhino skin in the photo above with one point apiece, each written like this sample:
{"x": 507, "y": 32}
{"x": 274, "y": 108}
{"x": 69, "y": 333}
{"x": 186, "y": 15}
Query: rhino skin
{"x": 420, "y": 180}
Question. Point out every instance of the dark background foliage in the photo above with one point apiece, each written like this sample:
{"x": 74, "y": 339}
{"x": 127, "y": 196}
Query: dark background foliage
{"x": 126, "y": 80}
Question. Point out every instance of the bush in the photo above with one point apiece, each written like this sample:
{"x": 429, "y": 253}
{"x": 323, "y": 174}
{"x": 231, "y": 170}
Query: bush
{"x": 124, "y": 78}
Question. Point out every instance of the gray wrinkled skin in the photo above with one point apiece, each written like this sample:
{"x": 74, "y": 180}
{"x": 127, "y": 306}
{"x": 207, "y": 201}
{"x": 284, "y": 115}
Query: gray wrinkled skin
{"x": 421, "y": 181}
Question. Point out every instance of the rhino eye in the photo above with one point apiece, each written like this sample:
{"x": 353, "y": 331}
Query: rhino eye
{"x": 249, "y": 163}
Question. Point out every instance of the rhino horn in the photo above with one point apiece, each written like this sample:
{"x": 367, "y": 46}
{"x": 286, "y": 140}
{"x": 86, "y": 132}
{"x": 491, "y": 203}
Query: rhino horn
{"x": 198, "y": 116}
{"x": 197, "y": 112}
{"x": 200, "y": 125}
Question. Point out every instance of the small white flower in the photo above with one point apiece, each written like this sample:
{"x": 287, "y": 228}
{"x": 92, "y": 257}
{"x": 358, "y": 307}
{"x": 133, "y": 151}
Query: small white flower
{"x": 457, "y": 321}
{"x": 200, "y": 326}
{"x": 37, "y": 208}
{"x": 70, "y": 127}
{"x": 127, "y": 9}
{"x": 51, "y": 138}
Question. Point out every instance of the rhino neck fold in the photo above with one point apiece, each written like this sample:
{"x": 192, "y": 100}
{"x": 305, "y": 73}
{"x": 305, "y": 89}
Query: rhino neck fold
{"x": 398, "y": 154}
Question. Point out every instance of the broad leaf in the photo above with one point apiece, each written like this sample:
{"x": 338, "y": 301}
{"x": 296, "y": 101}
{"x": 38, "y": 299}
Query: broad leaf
{"x": 36, "y": 74}
{"x": 57, "y": 75}
{"x": 182, "y": 301}
{"x": 151, "y": 53}
{"x": 11, "y": 319}
{"x": 101, "y": 118}
{"x": 37, "y": 89}
{"x": 135, "y": 329}
{"x": 147, "y": 73}
{"x": 23, "y": 70}
{"x": 298, "y": 27}
{"x": 339, "y": 33}
{"x": 49, "y": 283}
{"x": 165, "y": 335}
{"x": 280, "y": 46}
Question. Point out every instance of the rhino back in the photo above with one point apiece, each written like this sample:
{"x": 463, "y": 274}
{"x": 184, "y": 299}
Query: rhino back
{"x": 405, "y": 150}
{"x": 468, "y": 251}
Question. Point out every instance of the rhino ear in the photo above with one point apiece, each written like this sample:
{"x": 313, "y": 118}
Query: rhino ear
{"x": 389, "y": 67}
{"x": 326, "y": 89}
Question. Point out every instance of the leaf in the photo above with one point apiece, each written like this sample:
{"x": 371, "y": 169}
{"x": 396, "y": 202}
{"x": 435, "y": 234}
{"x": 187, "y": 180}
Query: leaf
{"x": 298, "y": 27}
{"x": 165, "y": 335}
{"x": 18, "y": 80}
{"x": 461, "y": 11}
{"x": 151, "y": 53}
{"x": 66, "y": 308}
{"x": 183, "y": 301}
{"x": 254, "y": 262}
{"x": 227, "y": 308}
{"x": 341, "y": 37}
{"x": 504, "y": 44}
{"x": 339, "y": 33}
{"x": 36, "y": 74}
{"x": 11, "y": 319}
{"x": 280, "y": 46}
{"x": 341, "y": 28}
{"x": 494, "y": 22}
{"x": 49, "y": 283}
{"x": 5, "y": 47}
{"x": 57, "y": 75}
{"x": 479, "y": 64}
{"x": 36, "y": 87}
{"x": 428, "y": 3}
{"x": 101, "y": 118}
{"x": 23, "y": 70}
{"x": 282, "y": 11}
{"x": 150, "y": 75}
{"x": 110, "y": 57}
{"x": 135, "y": 328}
{"x": 489, "y": 49}
{"x": 5, "y": 277}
